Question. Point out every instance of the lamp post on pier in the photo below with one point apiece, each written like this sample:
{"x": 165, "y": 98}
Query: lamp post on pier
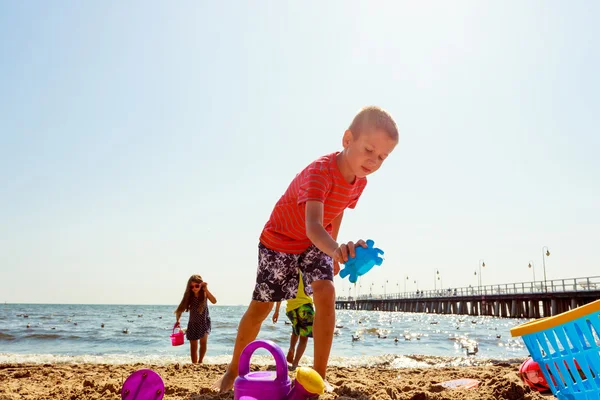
{"x": 544, "y": 255}
{"x": 480, "y": 264}
{"x": 532, "y": 266}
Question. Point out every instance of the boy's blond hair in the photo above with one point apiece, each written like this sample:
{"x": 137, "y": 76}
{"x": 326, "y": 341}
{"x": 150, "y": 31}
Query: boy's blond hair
{"x": 373, "y": 117}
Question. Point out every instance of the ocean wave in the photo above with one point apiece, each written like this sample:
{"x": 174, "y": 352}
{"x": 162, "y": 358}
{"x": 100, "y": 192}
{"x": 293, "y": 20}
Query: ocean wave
{"x": 50, "y": 336}
{"x": 6, "y": 336}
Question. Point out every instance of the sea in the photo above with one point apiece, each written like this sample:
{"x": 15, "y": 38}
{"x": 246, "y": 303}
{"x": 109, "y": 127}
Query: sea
{"x": 126, "y": 334}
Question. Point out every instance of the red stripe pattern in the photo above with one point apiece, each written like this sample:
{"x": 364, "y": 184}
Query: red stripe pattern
{"x": 321, "y": 181}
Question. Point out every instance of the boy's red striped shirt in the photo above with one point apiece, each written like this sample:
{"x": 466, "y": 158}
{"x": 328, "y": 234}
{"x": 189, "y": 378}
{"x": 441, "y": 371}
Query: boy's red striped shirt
{"x": 321, "y": 181}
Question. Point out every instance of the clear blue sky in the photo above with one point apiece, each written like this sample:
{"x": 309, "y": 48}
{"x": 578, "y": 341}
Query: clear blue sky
{"x": 142, "y": 142}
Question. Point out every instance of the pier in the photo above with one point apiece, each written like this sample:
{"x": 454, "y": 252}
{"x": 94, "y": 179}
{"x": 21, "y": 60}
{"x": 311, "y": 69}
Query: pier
{"x": 513, "y": 300}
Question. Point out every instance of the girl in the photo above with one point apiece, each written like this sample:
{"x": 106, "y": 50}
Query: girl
{"x": 195, "y": 301}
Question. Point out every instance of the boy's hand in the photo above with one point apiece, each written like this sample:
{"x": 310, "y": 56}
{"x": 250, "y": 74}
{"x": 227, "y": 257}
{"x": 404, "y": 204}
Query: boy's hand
{"x": 275, "y": 316}
{"x": 346, "y": 251}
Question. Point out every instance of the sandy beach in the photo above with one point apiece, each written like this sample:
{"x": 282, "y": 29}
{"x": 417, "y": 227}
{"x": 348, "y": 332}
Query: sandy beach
{"x": 192, "y": 382}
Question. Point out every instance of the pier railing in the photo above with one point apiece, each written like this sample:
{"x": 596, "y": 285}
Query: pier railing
{"x": 550, "y": 286}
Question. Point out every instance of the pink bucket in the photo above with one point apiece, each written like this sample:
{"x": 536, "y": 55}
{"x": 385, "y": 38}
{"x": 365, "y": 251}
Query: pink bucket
{"x": 177, "y": 339}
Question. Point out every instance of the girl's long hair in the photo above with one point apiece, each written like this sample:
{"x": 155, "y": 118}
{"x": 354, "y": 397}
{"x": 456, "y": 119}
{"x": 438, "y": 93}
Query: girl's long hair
{"x": 188, "y": 296}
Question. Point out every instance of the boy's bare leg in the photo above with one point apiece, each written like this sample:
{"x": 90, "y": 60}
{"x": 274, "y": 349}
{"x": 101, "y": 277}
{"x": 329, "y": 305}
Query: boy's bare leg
{"x": 247, "y": 331}
{"x": 291, "y": 351}
{"x": 324, "y": 323}
{"x": 300, "y": 350}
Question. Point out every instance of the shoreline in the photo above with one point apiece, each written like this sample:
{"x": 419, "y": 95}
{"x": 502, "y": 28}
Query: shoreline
{"x": 192, "y": 382}
{"x": 386, "y": 360}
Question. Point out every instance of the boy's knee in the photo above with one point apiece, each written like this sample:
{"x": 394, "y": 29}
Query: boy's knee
{"x": 323, "y": 292}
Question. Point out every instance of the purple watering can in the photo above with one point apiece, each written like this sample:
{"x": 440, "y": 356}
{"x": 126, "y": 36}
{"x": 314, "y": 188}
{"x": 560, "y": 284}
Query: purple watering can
{"x": 267, "y": 385}
{"x": 262, "y": 385}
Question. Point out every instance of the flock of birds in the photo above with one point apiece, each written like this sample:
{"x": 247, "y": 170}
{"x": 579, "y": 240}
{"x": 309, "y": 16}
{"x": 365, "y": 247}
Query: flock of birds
{"x": 69, "y": 320}
{"x": 470, "y": 346}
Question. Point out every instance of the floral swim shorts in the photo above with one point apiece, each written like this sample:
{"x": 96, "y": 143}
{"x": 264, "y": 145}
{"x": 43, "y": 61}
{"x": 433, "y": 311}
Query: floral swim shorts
{"x": 302, "y": 319}
{"x": 277, "y": 273}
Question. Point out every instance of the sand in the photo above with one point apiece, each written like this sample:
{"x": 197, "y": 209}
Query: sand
{"x": 192, "y": 382}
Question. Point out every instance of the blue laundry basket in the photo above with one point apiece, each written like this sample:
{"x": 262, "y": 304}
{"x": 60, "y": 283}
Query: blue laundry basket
{"x": 567, "y": 348}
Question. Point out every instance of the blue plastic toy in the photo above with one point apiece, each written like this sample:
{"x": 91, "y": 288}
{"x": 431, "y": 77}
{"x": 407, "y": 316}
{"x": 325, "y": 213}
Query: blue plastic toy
{"x": 366, "y": 258}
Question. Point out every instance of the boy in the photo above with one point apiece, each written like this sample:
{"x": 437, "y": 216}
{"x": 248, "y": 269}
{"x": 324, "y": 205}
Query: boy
{"x": 302, "y": 231}
{"x": 301, "y": 313}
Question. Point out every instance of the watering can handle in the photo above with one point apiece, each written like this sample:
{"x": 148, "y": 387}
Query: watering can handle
{"x": 276, "y": 352}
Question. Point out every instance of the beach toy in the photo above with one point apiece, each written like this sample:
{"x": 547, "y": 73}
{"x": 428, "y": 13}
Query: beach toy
{"x": 461, "y": 384}
{"x": 531, "y": 374}
{"x": 177, "y": 339}
{"x": 262, "y": 385}
{"x": 567, "y": 349}
{"x": 269, "y": 385}
{"x": 365, "y": 259}
{"x": 307, "y": 384}
{"x": 143, "y": 384}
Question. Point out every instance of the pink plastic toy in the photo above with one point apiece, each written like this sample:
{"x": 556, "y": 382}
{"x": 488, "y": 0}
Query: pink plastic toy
{"x": 178, "y": 338}
{"x": 143, "y": 384}
{"x": 268, "y": 385}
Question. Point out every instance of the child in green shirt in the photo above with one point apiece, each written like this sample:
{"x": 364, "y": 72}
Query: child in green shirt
{"x": 300, "y": 312}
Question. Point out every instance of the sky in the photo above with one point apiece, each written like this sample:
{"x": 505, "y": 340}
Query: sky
{"x": 143, "y": 142}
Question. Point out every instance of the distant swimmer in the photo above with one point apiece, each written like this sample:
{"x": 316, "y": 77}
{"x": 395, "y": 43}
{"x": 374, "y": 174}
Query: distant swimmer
{"x": 102, "y": 325}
